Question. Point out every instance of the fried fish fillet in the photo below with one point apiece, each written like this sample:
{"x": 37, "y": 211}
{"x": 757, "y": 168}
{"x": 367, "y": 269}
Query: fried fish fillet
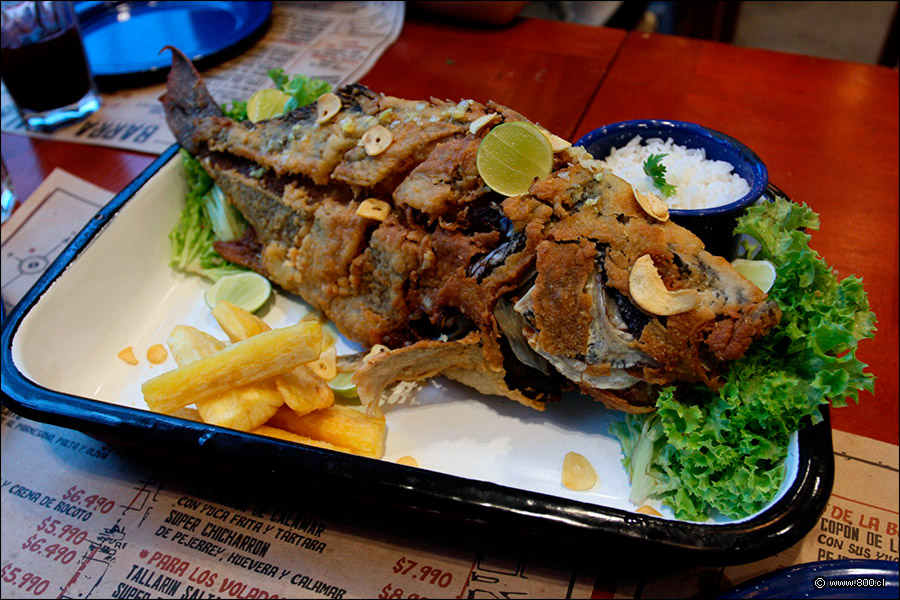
{"x": 523, "y": 297}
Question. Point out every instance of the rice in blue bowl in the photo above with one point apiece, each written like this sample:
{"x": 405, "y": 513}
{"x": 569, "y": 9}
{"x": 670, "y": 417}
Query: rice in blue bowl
{"x": 716, "y": 177}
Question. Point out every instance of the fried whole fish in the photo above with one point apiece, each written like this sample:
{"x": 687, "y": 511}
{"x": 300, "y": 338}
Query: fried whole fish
{"x": 572, "y": 286}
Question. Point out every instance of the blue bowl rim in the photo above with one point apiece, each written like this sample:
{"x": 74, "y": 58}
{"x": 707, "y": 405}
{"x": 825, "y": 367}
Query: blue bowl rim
{"x": 757, "y": 189}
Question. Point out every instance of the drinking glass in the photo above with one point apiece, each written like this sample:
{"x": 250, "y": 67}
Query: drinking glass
{"x": 8, "y": 199}
{"x": 45, "y": 67}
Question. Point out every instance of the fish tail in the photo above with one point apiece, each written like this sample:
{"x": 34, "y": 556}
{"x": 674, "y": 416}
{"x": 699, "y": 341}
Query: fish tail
{"x": 186, "y": 99}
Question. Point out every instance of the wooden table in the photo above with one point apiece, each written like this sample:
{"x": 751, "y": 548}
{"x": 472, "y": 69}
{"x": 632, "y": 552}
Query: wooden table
{"x": 828, "y": 131}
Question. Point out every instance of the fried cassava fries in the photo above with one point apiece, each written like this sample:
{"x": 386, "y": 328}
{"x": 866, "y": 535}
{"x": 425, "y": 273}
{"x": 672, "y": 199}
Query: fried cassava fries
{"x": 246, "y": 391}
{"x": 281, "y": 434}
{"x": 237, "y": 323}
{"x": 244, "y": 407}
{"x": 254, "y": 359}
{"x": 338, "y": 425}
{"x": 300, "y": 388}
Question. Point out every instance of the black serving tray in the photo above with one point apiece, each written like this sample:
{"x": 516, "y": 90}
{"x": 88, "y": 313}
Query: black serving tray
{"x": 437, "y": 495}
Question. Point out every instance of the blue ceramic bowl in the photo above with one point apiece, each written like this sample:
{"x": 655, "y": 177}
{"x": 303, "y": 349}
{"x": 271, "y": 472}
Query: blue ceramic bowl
{"x": 715, "y": 226}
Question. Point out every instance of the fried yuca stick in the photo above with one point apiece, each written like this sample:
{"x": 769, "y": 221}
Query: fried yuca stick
{"x": 190, "y": 414}
{"x": 337, "y": 425}
{"x": 237, "y": 323}
{"x": 244, "y": 407}
{"x": 281, "y": 434}
{"x": 300, "y": 388}
{"x": 256, "y": 358}
{"x": 189, "y": 344}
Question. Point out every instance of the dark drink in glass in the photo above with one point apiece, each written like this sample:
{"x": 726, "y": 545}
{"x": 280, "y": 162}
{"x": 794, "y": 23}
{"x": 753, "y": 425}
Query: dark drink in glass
{"x": 44, "y": 65}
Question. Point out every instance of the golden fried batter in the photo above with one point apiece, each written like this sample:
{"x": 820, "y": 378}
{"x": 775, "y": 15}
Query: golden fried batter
{"x": 522, "y": 297}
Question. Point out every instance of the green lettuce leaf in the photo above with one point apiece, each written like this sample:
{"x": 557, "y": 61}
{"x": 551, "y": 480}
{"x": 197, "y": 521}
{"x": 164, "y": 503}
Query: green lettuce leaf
{"x": 725, "y": 452}
{"x": 205, "y": 219}
{"x": 236, "y": 109}
{"x": 303, "y": 90}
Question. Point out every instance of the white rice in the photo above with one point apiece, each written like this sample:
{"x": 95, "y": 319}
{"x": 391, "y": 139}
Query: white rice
{"x": 699, "y": 183}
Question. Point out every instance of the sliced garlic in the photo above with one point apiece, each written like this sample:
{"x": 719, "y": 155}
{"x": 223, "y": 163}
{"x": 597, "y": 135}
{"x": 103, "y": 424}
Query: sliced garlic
{"x": 648, "y": 510}
{"x": 578, "y": 474}
{"x": 652, "y": 204}
{"x": 327, "y": 106}
{"x": 326, "y": 365}
{"x": 157, "y": 354}
{"x": 377, "y": 139}
{"x": 127, "y": 354}
{"x": 556, "y": 143}
{"x": 371, "y": 208}
{"x": 650, "y": 293}
{"x": 375, "y": 351}
{"x": 480, "y": 122}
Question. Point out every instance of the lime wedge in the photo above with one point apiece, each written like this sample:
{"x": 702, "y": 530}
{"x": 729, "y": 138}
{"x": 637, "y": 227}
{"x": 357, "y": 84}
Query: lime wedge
{"x": 512, "y": 156}
{"x": 266, "y": 104}
{"x": 760, "y": 272}
{"x": 343, "y": 386}
{"x": 245, "y": 290}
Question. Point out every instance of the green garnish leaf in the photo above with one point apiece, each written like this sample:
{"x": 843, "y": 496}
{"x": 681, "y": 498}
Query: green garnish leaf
{"x": 303, "y": 90}
{"x": 704, "y": 451}
{"x": 654, "y": 169}
{"x": 206, "y": 218}
{"x": 236, "y": 110}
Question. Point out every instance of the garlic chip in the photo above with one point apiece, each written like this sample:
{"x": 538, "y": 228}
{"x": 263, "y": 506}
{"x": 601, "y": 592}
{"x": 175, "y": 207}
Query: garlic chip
{"x": 371, "y": 208}
{"x": 157, "y": 354}
{"x": 375, "y": 351}
{"x": 648, "y": 510}
{"x": 409, "y": 461}
{"x": 377, "y": 139}
{"x": 650, "y": 293}
{"x": 577, "y": 473}
{"x": 480, "y": 122}
{"x": 127, "y": 354}
{"x": 327, "y": 106}
{"x": 652, "y": 204}
{"x": 326, "y": 366}
{"x": 557, "y": 144}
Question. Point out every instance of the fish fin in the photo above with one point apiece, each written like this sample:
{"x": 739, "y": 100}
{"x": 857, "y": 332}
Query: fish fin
{"x": 186, "y": 99}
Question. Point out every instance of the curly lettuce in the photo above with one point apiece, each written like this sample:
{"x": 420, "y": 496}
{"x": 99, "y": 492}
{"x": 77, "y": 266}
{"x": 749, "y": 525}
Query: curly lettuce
{"x": 702, "y": 452}
{"x": 207, "y": 217}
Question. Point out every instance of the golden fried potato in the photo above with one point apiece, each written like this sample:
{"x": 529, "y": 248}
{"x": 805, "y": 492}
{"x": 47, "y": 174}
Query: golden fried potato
{"x": 245, "y": 407}
{"x": 281, "y": 434}
{"x": 337, "y": 425}
{"x": 254, "y": 359}
{"x": 300, "y": 388}
{"x": 303, "y": 391}
{"x": 189, "y": 344}
{"x": 189, "y": 414}
{"x": 237, "y": 323}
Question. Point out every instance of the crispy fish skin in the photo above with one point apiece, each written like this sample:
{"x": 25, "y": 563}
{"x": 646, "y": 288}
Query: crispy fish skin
{"x": 535, "y": 286}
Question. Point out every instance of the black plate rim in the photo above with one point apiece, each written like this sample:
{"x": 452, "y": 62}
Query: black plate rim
{"x": 475, "y": 501}
{"x": 88, "y": 12}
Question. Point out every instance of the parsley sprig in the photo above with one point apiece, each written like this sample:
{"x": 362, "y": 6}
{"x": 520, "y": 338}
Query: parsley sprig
{"x": 657, "y": 171}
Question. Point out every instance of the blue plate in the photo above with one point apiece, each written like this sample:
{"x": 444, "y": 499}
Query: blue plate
{"x": 871, "y": 578}
{"x": 125, "y": 38}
